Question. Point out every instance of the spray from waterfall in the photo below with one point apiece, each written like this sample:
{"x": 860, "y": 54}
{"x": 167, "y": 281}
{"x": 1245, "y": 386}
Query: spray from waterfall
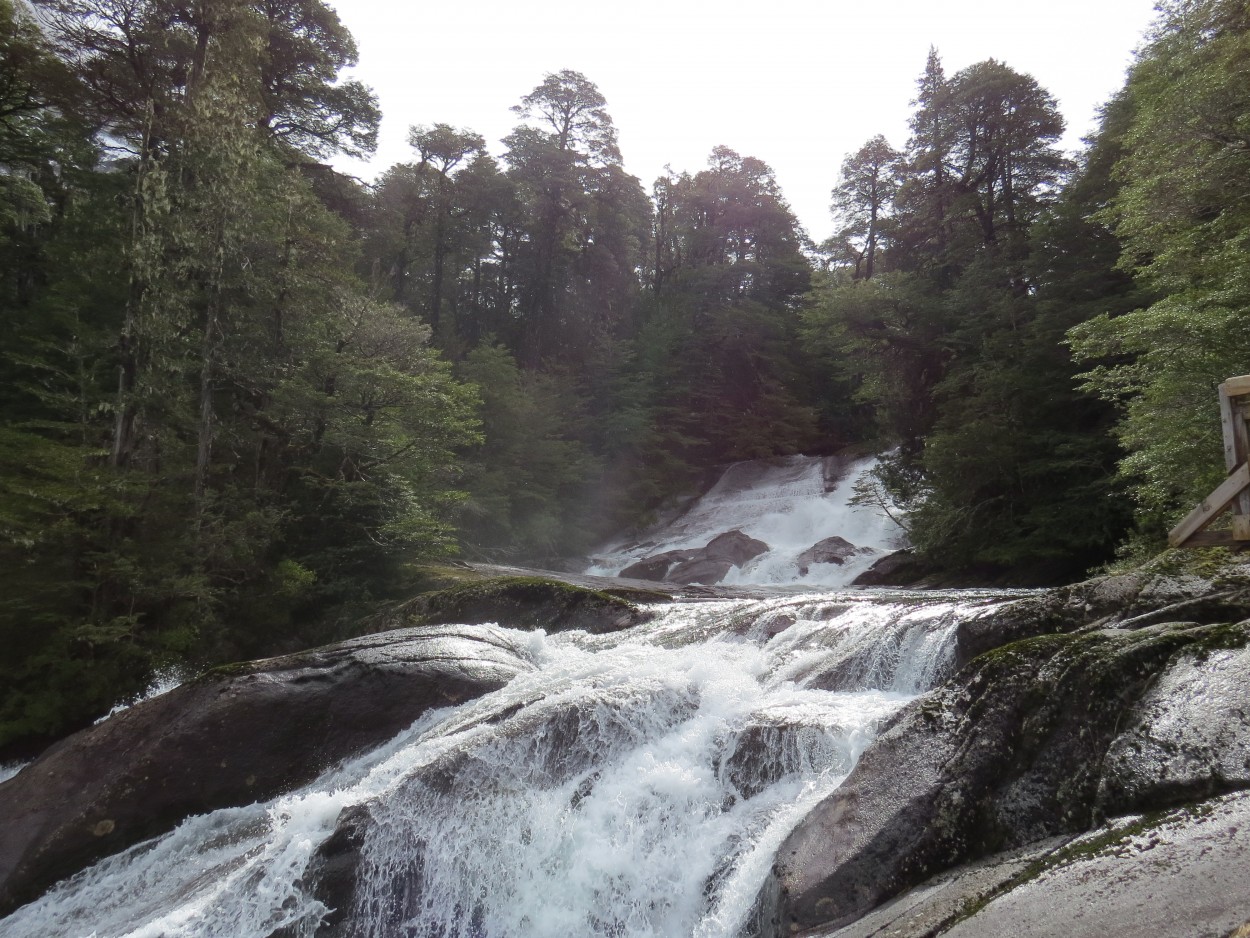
{"x": 798, "y": 509}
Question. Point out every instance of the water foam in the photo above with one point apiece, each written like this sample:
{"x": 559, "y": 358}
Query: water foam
{"x": 784, "y": 503}
{"x": 632, "y": 784}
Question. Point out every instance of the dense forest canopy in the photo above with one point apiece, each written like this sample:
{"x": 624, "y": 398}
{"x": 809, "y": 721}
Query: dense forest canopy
{"x": 245, "y": 393}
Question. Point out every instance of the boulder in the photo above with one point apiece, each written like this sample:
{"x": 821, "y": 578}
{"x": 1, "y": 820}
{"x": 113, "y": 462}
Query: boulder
{"x": 236, "y": 735}
{"x": 897, "y": 569}
{"x": 831, "y": 550}
{"x": 701, "y": 571}
{"x": 734, "y": 547}
{"x": 658, "y": 566}
{"x": 706, "y": 565}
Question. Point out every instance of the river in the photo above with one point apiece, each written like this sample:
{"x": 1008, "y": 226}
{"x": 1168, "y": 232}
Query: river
{"x": 634, "y": 784}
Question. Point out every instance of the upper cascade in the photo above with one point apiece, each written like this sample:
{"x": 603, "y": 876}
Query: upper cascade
{"x": 782, "y": 521}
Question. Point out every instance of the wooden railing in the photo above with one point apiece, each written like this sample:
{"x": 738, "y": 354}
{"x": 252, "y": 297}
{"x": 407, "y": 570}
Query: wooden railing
{"x": 1234, "y": 492}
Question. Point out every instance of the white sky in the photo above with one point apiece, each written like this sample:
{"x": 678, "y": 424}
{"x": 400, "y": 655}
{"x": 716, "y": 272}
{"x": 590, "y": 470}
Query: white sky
{"x": 796, "y": 83}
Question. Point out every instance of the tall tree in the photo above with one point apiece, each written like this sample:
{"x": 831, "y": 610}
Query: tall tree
{"x": 862, "y": 202}
{"x": 264, "y": 437}
{"x": 565, "y": 162}
{"x": 956, "y": 342}
{"x": 718, "y": 349}
{"x": 1183, "y": 214}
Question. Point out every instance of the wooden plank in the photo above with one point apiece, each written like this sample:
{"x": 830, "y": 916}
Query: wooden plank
{"x": 1241, "y": 443}
{"x": 1241, "y": 528}
{"x": 1211, "y": 506}
{"x": 1212, "y": 539}
{"x": 1236, "y": 442}
{"x": 1235, "y": 387}
{"x": 1228, "y": 423}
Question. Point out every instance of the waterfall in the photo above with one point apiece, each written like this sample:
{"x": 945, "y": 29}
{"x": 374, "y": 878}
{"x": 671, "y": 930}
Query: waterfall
{"x": 634, "y": 784}
{"x": 791, "y": 505}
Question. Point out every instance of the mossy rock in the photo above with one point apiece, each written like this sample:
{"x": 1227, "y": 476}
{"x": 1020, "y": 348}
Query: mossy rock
{"x": 428, "y": 577}
{"x": 524, "y": 602}
{"x": 1013, "y": 750}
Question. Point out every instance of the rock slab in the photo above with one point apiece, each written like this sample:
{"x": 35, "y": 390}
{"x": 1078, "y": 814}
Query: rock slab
{"x": 232, "y": 737}
{"x": 1010, "y": 752}
{"x": 707, "y": 565}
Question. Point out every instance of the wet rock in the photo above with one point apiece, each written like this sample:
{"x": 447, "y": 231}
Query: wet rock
{"x": 527, "y": 602}
{"x": 734, "y": 547}
{"x": 657, "y": 567}
{"x": 706, "y": 565}
{"x": 1010, "y": 752}
{"x": 831, "y": 550}
{"x": 897, "y": 569}
{"x": 333, "y": 872}
{"x": 1188, "y": 735}
{"x": 234, "y": 736}
{"x": 701, "y": 571}
{"x": 1107, "y": 882}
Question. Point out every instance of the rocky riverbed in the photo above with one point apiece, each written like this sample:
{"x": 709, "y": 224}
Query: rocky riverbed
{"x": 1084, "y": 769}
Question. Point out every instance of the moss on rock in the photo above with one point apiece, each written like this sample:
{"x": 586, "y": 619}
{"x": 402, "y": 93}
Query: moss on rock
{"x": 526, "y": 602}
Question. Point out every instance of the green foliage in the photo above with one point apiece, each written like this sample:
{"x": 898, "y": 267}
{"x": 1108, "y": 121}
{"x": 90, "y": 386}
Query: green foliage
{"x": 1184, "y": 218}
{"x": 952, "y": 335}
{"x": 214, "y": 438}
{"x": 530, "y": 479}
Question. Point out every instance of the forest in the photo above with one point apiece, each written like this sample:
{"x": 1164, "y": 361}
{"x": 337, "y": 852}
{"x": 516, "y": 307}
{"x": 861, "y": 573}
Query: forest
{"x": 245, "y": 394}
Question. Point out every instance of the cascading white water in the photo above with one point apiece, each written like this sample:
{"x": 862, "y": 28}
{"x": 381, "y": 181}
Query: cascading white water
{"x": 784, "y": 503}
{"x": 162, "y": 682}
{"x": 631, "y": 784}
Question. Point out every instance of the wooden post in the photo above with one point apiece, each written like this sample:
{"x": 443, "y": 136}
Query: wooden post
{"x": 1235, "y": 397}
{"x": 1233, "y": 492}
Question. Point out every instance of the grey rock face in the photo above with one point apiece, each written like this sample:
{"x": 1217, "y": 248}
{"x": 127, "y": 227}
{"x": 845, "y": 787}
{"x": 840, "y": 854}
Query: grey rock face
{"x": 897, "y": 569}
{"x": 1189, "y": 734}
{"x": 1010, "y": 752}
{"x": 702, "y": 571}
{"x": 526, "y": 602}
{"x": 707, "y": 565}
{"x": 834, "y": 550}
{"x": 657, "y": 567}
{"x": 1182, "y": 877}
{"x": 734, "y": 547}
{"x": 231, "y": 737}
{"x": 1176, "y": 876}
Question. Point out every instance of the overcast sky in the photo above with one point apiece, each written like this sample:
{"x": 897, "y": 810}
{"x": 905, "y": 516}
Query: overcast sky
{"x": 796, "y": 83}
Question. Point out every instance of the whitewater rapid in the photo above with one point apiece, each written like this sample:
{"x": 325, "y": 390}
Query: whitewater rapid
{"x": 634, "y": 784}
{"x": 791, "y": 504}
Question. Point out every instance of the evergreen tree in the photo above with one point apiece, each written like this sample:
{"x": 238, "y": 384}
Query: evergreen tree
{"x": 214, "y": 430}
{"x": 717, "y": 352}
{"x": 1182, "y": 214}
{"x": 956, "y": 341}
{"x": 586, "y": 221}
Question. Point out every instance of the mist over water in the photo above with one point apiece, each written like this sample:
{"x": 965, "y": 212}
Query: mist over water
{"x": 635, "y": 784}
{"x": 788, "y": 503}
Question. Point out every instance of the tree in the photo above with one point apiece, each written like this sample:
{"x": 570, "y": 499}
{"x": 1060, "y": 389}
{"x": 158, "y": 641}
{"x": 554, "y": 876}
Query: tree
{"x": 981, "y": 162}
{"x": 138, "y": 61}
{"x": 215, "y": 435}
{"x": 576, "y": 113}
{"x": 1182, "y": 215}
{"x": 585, "y": 215}
{"x": 718, "y": 345}
{"x": 956, "y": 341}
{"x": 530, "y": 480}
{"x": 862, "y": 201}
{"x": 302, "y": 102}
